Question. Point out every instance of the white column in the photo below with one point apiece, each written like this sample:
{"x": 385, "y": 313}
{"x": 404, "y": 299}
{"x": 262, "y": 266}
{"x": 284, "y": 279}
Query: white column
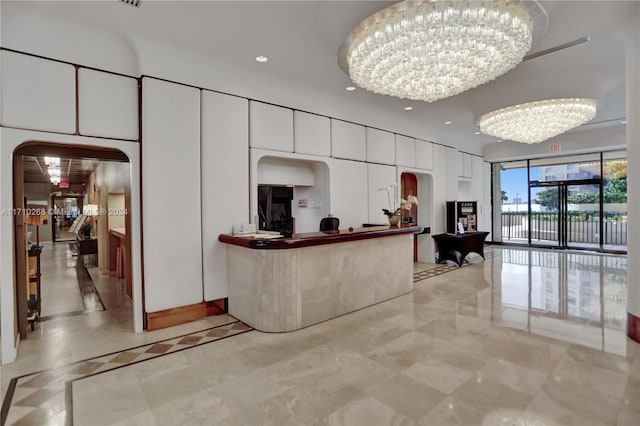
{"x": 633, "y": 168}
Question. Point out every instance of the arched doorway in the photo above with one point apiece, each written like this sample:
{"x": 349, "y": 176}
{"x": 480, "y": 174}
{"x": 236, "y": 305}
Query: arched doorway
{"x": 88, "y": 176}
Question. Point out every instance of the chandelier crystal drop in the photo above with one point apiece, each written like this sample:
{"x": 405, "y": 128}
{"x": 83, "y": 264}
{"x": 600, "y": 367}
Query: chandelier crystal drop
{"x": 535, "y": 122}
{"x": 433, "y": 50}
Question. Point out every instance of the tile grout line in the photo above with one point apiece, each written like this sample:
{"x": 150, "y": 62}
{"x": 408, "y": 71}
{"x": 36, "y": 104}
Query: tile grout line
{"x": 69, "y": 384}
{"x": 66, "y": 369}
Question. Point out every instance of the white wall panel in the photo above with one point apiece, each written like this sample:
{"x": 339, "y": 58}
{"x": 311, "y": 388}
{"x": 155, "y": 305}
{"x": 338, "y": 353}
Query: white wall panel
{"x": 443, "y": 190}
{"x": 380, "y": 147}
{"x": 467, "y": 165}
{"x": 348, "y": 141}
{"x": 270, "y": 127}
{"x": 380, "y": 176}
{"x": 312, "y": 134}
{"x": 225, "y": 177}
{"x": 405, "y": 151}
{"x": 349, "y": 192}
{"x": 424, "y": 155}
{"x": 171, "y": 195}
{"x": 452, "y": 172}
{"x": 38, "y": 94}
{"x": 107, "y": 105}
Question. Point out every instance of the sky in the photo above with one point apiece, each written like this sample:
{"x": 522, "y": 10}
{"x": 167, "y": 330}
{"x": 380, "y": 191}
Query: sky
{"x": 514, "y": 182}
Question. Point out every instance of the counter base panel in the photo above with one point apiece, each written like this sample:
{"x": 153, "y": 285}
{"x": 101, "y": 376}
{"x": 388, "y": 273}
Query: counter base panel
{"x": 285, "y": 290}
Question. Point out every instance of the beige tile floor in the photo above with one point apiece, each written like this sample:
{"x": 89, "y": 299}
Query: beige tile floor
{"x": 529, "y": 337}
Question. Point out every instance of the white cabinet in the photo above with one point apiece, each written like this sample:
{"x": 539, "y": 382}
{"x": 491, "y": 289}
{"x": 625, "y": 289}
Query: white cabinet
{"x": 452, "y": 172}
{"x": 348, "y": 141}
{"x": 270, "y": 127}
{"x": 37, "y": 94}
{"x": 466, "y": 169}
{"x": 349, "y": 192}
{"x": 312, "y": 134}
{"x": 405, "y": 151}
{"x": 171, "y": 218}
{"x": 380, "y": 147}
{"x": 225, "y": 178}
{"x": 424, "y": 155}
{"x": 107, "y": 105}
{"x": 381, "y": 176}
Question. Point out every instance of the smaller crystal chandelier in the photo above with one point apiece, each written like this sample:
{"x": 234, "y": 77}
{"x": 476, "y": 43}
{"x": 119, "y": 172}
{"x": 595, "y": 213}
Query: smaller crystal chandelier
{"x": 535, "y": 122}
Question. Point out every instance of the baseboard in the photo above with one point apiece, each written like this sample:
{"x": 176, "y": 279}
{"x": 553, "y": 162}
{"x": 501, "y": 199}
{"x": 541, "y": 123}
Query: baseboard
{"x": 184, "y": 314}
{"x": 633, "y": 327}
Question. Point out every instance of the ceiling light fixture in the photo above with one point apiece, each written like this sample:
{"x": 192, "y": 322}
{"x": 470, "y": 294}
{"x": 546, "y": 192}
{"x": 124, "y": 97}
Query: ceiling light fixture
{"x": 54, "y": 171}
{"x": 430, "y": 50}
{"x": 52, "y": 161}
{"x": 350, "y": 88}
{"x": 55, "y": 180}
{"x": 476, "y": 133}
{"x": 261, "y": 59}
{"x": 408, "y": 108}
{"x": 448, "y": 122}
{"x": 535, "y": 122}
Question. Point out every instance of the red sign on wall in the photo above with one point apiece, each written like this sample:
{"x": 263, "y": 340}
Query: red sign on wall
{"x": 554, "y": 148}
{"x": 64, "y": 183}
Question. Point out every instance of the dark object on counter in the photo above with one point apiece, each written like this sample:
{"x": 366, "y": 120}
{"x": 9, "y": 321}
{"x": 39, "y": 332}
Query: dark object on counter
{"x": 329, "y": 224}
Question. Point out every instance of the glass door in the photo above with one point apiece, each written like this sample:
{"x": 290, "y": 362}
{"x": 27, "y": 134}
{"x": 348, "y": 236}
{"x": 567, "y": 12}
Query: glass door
{"x": 583, "y": 215}
{"x": 546, "y": 226}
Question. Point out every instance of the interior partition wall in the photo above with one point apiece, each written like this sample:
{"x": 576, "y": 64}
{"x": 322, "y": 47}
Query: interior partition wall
{"x": 576, "y": 201}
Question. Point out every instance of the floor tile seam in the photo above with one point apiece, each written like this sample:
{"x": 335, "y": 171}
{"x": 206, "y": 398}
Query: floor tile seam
{"x": 8, "y": 401}
{"x": 92, "y": 286}
{"x": 432, "y": 273}
{"x": 69, "y": 384}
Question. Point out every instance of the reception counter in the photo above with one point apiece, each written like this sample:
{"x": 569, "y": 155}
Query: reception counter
{"x": 284, "y": 284}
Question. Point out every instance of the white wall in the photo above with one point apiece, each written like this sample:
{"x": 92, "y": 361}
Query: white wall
{"x": 632, "y": 74}
{"x": 317, "y": 196}
{"x": 225, "y": 182}
{"x": 172, "y": 231}
{"x": 349, "y": 200}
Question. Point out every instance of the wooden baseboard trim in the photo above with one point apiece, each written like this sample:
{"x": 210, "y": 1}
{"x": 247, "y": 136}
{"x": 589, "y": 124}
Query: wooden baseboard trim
{"x": 633, "y": 327}
{"x": 184, "y": 314}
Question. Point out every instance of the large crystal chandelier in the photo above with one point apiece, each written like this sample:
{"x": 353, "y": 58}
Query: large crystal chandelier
{"x": 538, "y": 121}
{"x": 430, "y": 50}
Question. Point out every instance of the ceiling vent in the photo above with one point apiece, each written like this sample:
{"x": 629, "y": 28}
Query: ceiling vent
{"x": 135, "y": 3}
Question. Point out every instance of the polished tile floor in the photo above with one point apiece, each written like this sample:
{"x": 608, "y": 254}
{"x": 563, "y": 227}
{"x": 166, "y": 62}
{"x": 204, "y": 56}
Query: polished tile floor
{"x": 525, "y": 337}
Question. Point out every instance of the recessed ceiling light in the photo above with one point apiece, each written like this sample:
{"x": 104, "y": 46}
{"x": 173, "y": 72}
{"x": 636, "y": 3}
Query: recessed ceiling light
{"x": 499, "y": 140}
{"x": 261, "y": 58}
{"x": 623, "y": 122}
{"x": 350, "y": 88}
{"x": 408, "y": 108}
{"x": 448, "y": 122}
{"x": 476, "y": 133}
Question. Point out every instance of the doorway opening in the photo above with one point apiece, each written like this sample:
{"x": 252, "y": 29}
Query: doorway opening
{"x": 72, "y": 205}
{"x": 419, "y": 184}
{"x": 574, "y": 201}
{"x": 560, "y": 226}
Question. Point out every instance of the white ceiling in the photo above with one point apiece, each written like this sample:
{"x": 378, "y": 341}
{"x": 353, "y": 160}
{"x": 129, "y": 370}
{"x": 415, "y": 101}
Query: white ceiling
{"x": 301, "y": 39}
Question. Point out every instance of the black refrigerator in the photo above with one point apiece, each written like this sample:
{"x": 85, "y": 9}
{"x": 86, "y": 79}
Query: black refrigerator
{"x": 464, "y": 213}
